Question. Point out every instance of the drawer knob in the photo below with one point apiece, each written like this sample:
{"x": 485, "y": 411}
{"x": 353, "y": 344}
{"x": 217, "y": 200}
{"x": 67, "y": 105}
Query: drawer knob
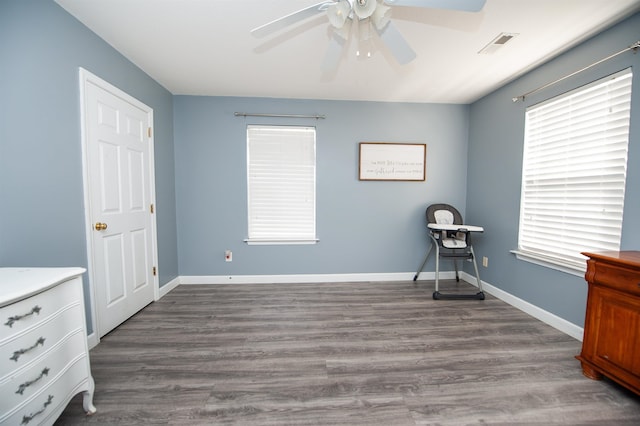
{"x": 27, "y": 419}
{"x": 35, "y": 310}
{"x": 17, "y": 354}
{"x": 25, "y": 385}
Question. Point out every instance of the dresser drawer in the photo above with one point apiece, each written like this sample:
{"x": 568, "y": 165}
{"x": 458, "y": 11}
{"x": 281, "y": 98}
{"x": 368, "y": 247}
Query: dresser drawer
{"x": 35, "y": 343}
{"x": 48, "y": 401}
{"x": 21, "y": 386}
{"x": 44, "y": 360}
{"x": 623, "y": 279}
{"x": 27, "y": 313}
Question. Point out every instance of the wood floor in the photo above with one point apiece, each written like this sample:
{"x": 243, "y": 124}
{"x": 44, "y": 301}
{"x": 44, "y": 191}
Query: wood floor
{"x": 342, "y": 354}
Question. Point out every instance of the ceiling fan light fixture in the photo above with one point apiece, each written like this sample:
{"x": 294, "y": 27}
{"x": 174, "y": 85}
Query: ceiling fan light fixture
{"x": 368, "y": 15}
{"x": 364, "y": 8}
{"x": 338, "y": 13}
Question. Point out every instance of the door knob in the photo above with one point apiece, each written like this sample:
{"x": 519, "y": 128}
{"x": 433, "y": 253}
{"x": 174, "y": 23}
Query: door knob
{"x": 100, "y": 226}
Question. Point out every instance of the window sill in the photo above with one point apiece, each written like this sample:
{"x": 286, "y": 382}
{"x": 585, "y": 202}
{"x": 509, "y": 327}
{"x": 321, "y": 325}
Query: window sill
{"x": 552, "y": 263}
{"x": 264, "y": 242}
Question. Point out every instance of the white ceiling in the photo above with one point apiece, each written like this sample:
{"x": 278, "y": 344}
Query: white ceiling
{"x": 203, "y": 47}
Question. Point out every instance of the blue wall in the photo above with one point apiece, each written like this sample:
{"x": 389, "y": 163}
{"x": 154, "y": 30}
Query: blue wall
{"x": 474, "y": 157}
{"x": 42, "y": 220}
{"x": 495, "y": 168}
{"x": 363, "y": 226}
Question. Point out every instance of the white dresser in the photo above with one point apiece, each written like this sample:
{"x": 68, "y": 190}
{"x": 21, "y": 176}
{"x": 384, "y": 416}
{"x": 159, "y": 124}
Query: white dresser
{"x": 44, "y": 358}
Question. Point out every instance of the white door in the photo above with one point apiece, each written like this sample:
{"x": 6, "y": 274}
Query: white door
{"x": 119, "y": 192}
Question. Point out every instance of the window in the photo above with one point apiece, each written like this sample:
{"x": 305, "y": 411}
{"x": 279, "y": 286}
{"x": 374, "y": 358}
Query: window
{"x": 574, "y": 172}
{"x": 281, "y": 175}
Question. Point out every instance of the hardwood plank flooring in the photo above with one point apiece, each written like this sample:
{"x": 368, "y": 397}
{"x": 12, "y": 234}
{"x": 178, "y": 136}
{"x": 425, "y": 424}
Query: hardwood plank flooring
{"x": 342, "y": 354}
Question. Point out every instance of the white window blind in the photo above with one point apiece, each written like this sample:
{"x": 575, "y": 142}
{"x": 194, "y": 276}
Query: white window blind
{"x": 281, "y": 173}
{"x": 574, "y": 172}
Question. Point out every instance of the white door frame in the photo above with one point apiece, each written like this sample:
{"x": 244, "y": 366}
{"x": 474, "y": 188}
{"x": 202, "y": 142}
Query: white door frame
{"x": 85, "y": 78}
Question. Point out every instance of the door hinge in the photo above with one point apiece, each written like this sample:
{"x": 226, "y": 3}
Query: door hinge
{"x": 149, "y": 131}
{"x": 151, "y": 209}
{"x": 154, "y": 271}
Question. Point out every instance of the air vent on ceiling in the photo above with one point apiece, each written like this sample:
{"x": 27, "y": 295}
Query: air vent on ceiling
{"x": 497, "y": 43}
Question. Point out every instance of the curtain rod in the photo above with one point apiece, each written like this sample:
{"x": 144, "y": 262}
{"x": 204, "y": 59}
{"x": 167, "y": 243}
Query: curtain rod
{"x": 247, "y": 114}
{"x": 633, "y": 47}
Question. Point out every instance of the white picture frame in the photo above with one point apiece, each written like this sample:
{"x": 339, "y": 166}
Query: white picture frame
{"x": 392, "y": 161}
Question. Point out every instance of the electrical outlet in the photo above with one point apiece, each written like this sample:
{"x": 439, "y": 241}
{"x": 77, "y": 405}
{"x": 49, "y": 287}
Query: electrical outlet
{"x": 485, "y": 261}
{"x": 228, "y": 256}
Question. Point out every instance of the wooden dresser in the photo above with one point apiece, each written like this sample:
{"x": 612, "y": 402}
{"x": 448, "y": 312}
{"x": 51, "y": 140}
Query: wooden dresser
{"x": 611, "y": 344}
{"x": 44, "y": 358}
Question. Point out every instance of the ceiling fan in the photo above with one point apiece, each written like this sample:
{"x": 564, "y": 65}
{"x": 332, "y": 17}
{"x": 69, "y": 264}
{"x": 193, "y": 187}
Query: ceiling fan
{"x": 368, "y": 16}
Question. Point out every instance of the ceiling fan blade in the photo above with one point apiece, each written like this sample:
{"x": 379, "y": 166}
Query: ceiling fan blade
{"x": 334, "y": 53}
{"x": 397, "y": 44}
{"x": 292, "y": 18}
{"x": 465, "y": 5}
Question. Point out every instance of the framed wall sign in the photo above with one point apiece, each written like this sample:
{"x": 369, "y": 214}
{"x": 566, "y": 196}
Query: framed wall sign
{"x": 392, "y": 161}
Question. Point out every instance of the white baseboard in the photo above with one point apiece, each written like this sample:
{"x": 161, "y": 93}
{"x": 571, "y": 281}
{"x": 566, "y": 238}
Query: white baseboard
{"x": 168, "y": 287}
{"x": 530, "y": 309}
{"x": 553, "y": 320}
{"x": 308, "y": 278}
{"x": 92, "y": 340}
